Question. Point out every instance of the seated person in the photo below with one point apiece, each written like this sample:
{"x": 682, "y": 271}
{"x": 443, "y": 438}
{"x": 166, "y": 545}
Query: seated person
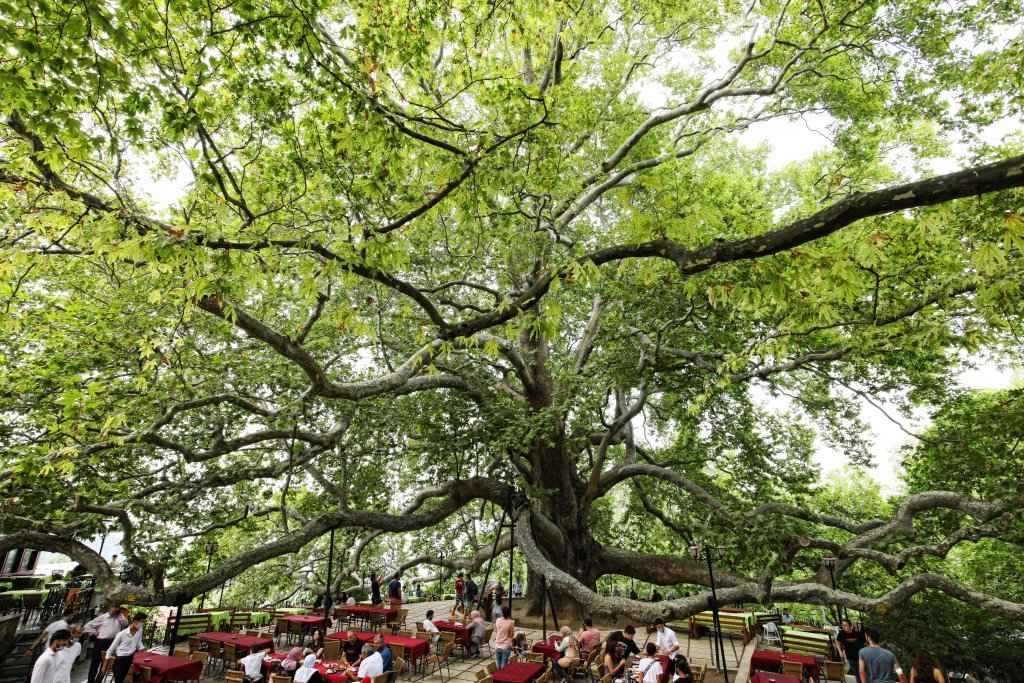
{"x": 352, "y": 648}
{"x": 650, "y": 666}
{"x": 252, "y": 665}
{"x": 372, "y": 664}
{"x": 615, "y": 656}
{"x": 308, "y": 673}
{"x": 384, "y": 651}
{"x": 519, "y": 645}
{"x": 567, "y": 651}
{"x": 589, "y": 638}
{"x": 683, "y": 673}
{"x": 292, "y": 661}
{"x": 428, "y": 626}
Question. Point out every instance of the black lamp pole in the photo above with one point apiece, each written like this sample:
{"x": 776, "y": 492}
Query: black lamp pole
{"x": 719, "y": 645}
{"x": 830, "y": 563}
{"x": 327, "y": 597}
{"x": 210, "y": 549}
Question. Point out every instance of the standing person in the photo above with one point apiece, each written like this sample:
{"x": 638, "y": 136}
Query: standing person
{"x": 926, "y": 670}
{"x": 650, "y": 666}
{"x": 104, "y": 627}
{"x": 878, "y": 665}
{"x": 460, "y": 591}
{"x": 666, "y": 640}
{"x": 472, "y": 590}
{"x": 375, "y": 589}
{"x": 851, "y": 642}
{"x": 61, "y": 624}
{"x": 504, "y": 636}
{"x": 517, "y": 588}
{"x": 125, "y": 645}
{"x": 47, "y": 667}
{"x": 67, "y": 656}
{"x": 395, "y": 591}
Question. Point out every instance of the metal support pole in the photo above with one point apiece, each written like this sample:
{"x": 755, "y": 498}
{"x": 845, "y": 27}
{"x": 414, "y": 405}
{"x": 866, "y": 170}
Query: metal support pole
{"x": 543, "y": 605}
{"x": 511, "y": 560}
{"x": 494, "y": 549}
{"x": 173, "y": 635}
{"x": 719, "y": 645}
{"x": 327, "y": 597}
{"x": 209, "y": 562}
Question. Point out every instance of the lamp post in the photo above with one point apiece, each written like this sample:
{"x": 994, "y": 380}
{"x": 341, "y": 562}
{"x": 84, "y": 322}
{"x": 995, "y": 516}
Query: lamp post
{"x": 327, "y": 597}
{"x": 830, "y": 563}
{"x": 697, "y": 551}
{"x": 210, "y": 548}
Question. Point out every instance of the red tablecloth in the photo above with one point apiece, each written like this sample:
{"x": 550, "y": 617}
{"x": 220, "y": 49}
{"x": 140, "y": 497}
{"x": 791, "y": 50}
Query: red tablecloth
{"x": 767, "y": 677}
{"x": 545, "y": 647}
{"x": 414, "y": 647}
{"x": 460, "y": 630}
{"x": 165, "y": 667}
{"x": 770, "y": 660}
{"x": 241, "y": 642}
{"x": 367, "y": 610}
{"x": 338, "y": 677}
{"x": 518, "y": 672}
{"x": 304, "y": 619}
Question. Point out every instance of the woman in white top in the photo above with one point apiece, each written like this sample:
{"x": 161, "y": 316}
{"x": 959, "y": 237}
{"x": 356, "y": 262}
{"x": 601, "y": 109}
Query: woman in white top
{"x": 307, "y": 673}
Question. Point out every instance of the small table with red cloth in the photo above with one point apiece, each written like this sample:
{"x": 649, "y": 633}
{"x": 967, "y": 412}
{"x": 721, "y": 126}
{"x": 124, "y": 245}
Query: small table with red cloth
{"x": 337, "y": 677}
{"x": 461, "y": 631}
{"x": 547, "y": 647}
{"x": 166, "y": 668}
{"x": 415, "y": 648}
{"x": 518, "y": 672}
{"x": 241, "y": 642}
{"x": 306, "y": 623}
{"x": 367, "y": 612}
{"x": 771, "y": 661}
{"x": 769, "y": 677}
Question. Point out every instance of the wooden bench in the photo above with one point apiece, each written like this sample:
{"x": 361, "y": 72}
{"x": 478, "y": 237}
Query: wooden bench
{"x": 187, "y": 624}
{"x": 240, "y": 619}
{"x": 813, "y": 644}
{"x": 735, "y": 624}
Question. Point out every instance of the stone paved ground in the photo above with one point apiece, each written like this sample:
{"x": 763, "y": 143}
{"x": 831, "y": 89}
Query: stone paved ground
{"x": 463, "y": 669}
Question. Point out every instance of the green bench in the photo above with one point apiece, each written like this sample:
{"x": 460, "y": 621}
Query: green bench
{"x": 188, "y": 624}
{"x": 806, "y": 642}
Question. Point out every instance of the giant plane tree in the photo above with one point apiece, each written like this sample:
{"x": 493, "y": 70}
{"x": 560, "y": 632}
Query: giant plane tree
{"x": 283, "y": 267}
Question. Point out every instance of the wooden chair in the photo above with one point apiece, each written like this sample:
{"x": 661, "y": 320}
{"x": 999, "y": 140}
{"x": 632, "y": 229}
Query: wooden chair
{"x": 145, "y": 674}
{"x": 834, "y": 671}
{"x": 397, "y": 665}
{"x": 407, "y": 634}
{"x": 488, "y": 633}
{"x": 107, "y": 672}
{"x": 194, "y": 644}
{"x": 383, "y": 678}
{"x": 200, "y": 656}
{"x": 230, "y": 656}
{"x": 535, "y": 657}
{"x": 793, "y": 668}
{"x": 234, "y": 676}
{"x": 699, "y": 672}
{"x": 332, "y": 650}
{"x": 280, "y": 628}
{"x": 397, "y": 651}
{"x": 481, "y": 674}
{"x": 442, "y": 660}
{"x": 491, "y": 667}
{"x": 278, "y": 678}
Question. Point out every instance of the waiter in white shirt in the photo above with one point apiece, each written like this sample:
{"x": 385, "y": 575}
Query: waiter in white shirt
{"x": 67, "y": 657}
{"x": 666, "y": 639}
{"x": 104, "y": 628}
{"x": 46, "y": 667}
{"x": 62, "y": 624}
{"x": 125, "y": 645}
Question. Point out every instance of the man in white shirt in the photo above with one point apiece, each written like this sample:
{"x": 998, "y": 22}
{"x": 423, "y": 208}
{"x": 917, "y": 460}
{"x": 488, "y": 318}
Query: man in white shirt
{"x": 125, "y": 645}
{"x": 252, "y": 665}
{"x": 666, "y": 639}
{"x": 46, "y": 667}
{"x": 67, "y": 657}
{"x": 104, "y": 627}
{"x": 428, "y": 626}
{"x": 61, "y": 624}
{"x": 372, "y": 664}
{"x": 650, "y": 666}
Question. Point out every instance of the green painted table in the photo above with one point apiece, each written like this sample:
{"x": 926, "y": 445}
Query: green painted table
{"x": 260, "y": 618}
{"x": 293, "y": 610}
{"x": 5, "y": 585}
{"x": 809, "y": 635}
{"x": 25, "y": 593}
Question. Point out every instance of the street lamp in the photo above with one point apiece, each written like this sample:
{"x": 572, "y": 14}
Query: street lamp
{"x": 210, "y": 548}
{"x": 697, "y": 551}
{"x": 830, "y": 563}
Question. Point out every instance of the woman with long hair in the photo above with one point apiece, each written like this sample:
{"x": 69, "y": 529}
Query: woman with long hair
{"x": 683, "y": 673}
{"x": 926, "y": 670}
{"x": 615, "y": 656}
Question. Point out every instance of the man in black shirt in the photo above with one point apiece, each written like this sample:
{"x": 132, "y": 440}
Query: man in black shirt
{"x": 629, "y": 640}
{"x": 352, "y": 647}
{"x": 851, "y": 641}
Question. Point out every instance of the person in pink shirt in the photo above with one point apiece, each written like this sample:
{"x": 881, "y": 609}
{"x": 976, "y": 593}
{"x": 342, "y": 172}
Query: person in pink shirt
{"x": 589, "y": 638}
{"x": 504, "y": 636}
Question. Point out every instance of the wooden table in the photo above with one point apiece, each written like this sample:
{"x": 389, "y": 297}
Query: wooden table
{"x": 321, "y": 666}
{"x": 242, "y": 643}
{"x": 461, "y": 631}
{"x": 415, "y": 648}
{"x": 307, "y": 623}
{"x": 771, "y": 660}
{"x": 767, "y": 677}
{"x": 165, "y": 667}
{"x": 518, "y": 672}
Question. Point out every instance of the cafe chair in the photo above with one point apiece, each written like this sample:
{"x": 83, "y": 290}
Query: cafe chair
{"x": 794, "y": 668}
{"x": 487, "y": 641}
{"x": 145, "y": 674}
{"x": 107, "y": 672}
{"x": 199, "y": 656}
{"x": 481, "y": 674}
{"x": 397, "y": 667}
{"x": 770, "y": 634}
{"x": 278, "y": 678}
{"x": 406, "y": 634}
{"x": 835, "y": 671}
{"x": 194, "y": 644}
{"x": 332, "y": 650}
{"x": 699, "y": 672}
{"x": 442, "y": 660}
{"x": 234, "y": 676}
{"x": 535, "y": 657}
